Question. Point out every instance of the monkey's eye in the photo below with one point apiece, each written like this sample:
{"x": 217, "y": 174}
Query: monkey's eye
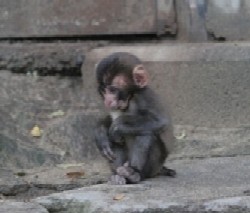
{"x": 123, "y": 95}
{"x": 112, "y": 89}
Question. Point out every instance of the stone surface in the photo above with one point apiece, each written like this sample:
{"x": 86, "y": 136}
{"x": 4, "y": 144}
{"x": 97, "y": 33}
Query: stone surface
{"x": 44, "y": 59}
{"x": 62, "y": 18}
{"x": 202, "y": 142}
{"x": 196, "y": 20}
{"x": 25, "y": 184}
{"x": 72, "y": 138}
{"x": 26, "y": 101}
{"x": 207, "y": 185}
{"x": 228, "y": 19}
{"x": 166, "y": 17}
{"x": 201, "y": 186}
{"x": 191, "y": 20}
{"x": 20, "y": 207}
{"x": 195, "y": 80}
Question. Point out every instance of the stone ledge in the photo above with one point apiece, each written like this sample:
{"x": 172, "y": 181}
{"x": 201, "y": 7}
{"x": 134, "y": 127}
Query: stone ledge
{"x": 44, "y": 58}
{"x": 20, "y": 207}
{"x": 180, "y": 52}
{"x": 201, "y": 186}
{"x": 203, "y": 84}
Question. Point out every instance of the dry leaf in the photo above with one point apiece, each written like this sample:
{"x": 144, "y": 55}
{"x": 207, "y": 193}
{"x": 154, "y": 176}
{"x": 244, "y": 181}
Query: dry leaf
{"x": 58, "y": 113}
{"x": 118, "y": 197}
{"x": 36, "y": 131}
{"x": 75, "y": 175}
{"x": 69, "y": 165}
{"x": 181, "y": 136}
{"x": 20, "y": 174}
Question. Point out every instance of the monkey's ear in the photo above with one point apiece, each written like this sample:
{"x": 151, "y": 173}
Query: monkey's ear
{"x": 140, "y": 76}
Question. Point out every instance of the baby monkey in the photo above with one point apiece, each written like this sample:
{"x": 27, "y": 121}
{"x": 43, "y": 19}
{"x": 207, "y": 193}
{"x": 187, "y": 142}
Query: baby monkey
{"x": 131, "y": 136}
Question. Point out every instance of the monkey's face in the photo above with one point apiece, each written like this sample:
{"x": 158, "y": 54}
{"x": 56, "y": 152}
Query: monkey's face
{"x": 117, "y": 94}
{"x": 119, "y": 77}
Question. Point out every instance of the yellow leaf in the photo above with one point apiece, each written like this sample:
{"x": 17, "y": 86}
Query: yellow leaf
{"x": 36, "y": 131}
{"x": 118, "y": 197}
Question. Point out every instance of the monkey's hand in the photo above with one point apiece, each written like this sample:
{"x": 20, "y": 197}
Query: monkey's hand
{"x": 115, "y": 133}
{"x": 103, "y": 143}
{"x": 106, "y": 151}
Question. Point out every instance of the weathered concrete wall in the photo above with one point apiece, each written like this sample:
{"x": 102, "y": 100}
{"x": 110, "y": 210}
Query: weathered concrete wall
{"x": 29, "y": 100}
{"x": 205, "y": 85}
{"x": 229, "y": 19}
{"x": 45, "y": 18}
{"x": 201, "y": 20}
{"x": 192, "y": 19}
{"x": 25, "y": 18}
{"x": 43, "y": 59}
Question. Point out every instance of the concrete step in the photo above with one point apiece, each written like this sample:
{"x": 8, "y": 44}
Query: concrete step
{"x": 210, "y": 185}
{"x": 206, "y": 84}
{"x": 219, "y": 185}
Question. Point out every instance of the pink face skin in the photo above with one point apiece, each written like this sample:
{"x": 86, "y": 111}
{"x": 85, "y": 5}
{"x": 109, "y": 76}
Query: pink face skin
{"x": 140, "y": 78}
{"x": 111, "y": 101}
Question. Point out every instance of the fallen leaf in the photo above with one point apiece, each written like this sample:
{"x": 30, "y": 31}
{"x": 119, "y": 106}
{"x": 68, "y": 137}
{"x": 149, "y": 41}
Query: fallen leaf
{"x": 20, "y": 174}
{"x": 57, "y": 114}
{"x": 68, "y": 165}
{"x": 36, "y": 131}
{"x": 181, "y": 136}
{"x": 75, "y": 175}
{"x": 118, "y": 197}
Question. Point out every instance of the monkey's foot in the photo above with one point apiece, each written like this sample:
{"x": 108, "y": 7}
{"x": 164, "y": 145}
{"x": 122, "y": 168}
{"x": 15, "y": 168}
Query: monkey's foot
{"x": 117, "y": 180}
{"x": 129, "y": 173}
{"x": 167, "y": 172}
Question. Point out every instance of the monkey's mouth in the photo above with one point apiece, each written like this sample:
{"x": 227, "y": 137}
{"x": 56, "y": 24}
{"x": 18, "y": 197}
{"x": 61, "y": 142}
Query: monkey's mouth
{"x": 117, "y": 105}
{"x": 123, "y": 105}
{"x": 119, "y": 108}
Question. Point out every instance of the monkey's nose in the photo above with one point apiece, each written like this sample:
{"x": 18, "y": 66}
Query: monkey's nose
{"x": 110, "y": 104}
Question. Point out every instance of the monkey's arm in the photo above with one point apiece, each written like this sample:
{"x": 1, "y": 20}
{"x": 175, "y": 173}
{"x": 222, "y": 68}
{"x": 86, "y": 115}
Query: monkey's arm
{"x": 140, "y": 124}
{"x": 102, "y": 139}
{"x": 143, "y": 117}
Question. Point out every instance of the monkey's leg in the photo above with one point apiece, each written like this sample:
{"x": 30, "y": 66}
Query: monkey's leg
{"x": 146, "y": 159}
{"x": 121, "y": 158}
{"x": 138, "y": 148}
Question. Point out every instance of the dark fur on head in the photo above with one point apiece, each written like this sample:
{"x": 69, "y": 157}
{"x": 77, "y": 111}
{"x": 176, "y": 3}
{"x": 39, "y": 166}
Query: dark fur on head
{"x": 119, "y": 62}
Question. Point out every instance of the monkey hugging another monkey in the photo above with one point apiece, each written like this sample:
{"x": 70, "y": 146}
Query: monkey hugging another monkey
{"x": 131, "y": 136}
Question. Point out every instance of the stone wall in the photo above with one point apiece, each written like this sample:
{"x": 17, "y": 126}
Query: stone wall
{"x": 219, "y": 20}
{"x": 189, "y": 20}
{"x": 228, "y": 19}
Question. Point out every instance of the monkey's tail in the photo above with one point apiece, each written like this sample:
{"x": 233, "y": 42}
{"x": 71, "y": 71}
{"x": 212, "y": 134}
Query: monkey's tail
{"x": 167, "y": 172}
